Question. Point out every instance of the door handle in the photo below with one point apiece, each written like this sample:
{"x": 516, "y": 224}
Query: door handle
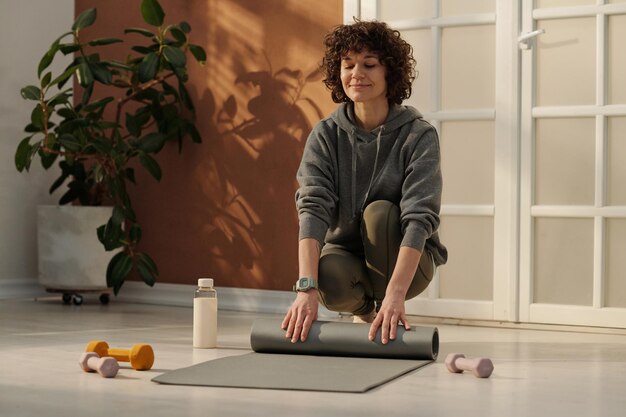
{"x": 525, "y": 40}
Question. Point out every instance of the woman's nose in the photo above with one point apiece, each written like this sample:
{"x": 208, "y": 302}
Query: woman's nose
{"x": 357, "y": 72}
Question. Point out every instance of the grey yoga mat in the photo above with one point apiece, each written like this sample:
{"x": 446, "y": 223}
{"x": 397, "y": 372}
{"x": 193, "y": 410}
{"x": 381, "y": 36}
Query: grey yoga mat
{"x": 336, "y": 357}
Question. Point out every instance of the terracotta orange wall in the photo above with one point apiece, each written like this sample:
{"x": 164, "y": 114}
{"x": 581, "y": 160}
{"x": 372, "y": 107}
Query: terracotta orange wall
{"x": 225, "y": 208}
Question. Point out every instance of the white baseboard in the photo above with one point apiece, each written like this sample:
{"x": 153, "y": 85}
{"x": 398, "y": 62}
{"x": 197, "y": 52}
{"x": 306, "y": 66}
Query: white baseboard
{"x": 237, "y": 299}
{"x": 21, "y": 288}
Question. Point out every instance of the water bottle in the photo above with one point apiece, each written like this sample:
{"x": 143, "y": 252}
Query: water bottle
{"x": 205, "y": 315}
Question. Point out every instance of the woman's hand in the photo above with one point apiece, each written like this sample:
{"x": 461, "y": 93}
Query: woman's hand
{"x": 301, "y": 314}
{"x": 391, "y": 312}
{"x": 392, "y": 309}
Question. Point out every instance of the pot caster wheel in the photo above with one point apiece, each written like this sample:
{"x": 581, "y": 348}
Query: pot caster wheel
{"x": 67, "y": 298}
{"x": 77, "y": 300}
{"x": 105, "y": 298}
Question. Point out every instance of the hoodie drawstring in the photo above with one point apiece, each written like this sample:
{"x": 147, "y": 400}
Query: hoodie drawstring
{"x": 356, "y": 214}
{"x": 352, "y": 136}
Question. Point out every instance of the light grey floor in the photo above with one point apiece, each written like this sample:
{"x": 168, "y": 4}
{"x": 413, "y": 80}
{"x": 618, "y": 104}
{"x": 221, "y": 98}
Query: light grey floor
{"x": 537, "y": 373}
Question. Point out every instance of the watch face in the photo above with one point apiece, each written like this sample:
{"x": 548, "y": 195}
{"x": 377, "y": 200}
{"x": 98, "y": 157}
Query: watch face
{"x": 304, "y": 284}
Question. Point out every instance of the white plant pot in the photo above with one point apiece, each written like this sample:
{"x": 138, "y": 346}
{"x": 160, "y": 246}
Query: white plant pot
{"x": 70, "y": 255}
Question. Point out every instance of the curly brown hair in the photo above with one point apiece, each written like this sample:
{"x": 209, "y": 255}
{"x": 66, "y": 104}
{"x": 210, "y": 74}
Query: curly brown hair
{"x": 394, "y": 53}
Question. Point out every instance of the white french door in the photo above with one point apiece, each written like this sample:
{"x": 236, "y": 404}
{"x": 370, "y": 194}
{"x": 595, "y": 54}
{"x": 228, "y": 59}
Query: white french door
{"x": 529, "y": 98}
{"x": 573, "y": 176}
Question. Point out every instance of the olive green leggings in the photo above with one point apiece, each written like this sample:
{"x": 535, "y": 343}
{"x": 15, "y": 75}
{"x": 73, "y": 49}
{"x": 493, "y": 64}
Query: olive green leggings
{"x": 352, "y": 283}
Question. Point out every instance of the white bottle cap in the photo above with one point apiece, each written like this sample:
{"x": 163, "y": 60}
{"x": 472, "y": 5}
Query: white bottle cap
{"x": 205, "y": 282}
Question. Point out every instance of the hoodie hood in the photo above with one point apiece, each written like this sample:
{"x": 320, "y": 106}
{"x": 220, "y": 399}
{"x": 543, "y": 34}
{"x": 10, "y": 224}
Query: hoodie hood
{"x": 346, "y": 120}
{"x": 398, "y": 116}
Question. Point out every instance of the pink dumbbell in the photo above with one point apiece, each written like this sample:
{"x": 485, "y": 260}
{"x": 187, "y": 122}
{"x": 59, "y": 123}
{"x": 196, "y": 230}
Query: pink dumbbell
{"x": 480, "y": 367}
{"x": 107, "y": 367}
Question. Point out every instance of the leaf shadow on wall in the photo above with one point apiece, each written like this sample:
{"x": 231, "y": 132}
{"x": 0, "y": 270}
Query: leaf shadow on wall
{"x": 249, "y": 176}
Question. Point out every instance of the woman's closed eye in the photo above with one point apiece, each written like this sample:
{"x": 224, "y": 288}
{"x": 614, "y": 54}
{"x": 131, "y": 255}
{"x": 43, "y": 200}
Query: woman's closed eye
{"x": 365, "y": 65}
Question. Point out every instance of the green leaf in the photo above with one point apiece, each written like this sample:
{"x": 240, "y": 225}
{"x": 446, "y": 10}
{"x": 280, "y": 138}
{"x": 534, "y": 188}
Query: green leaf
{"x": 102, "y": 74}
{"x": 71, "y": 125}
{"x": 140, "y": 31}
{"x": 150, "y": 94}
{"x": 70, "y": 142}
{"x": 118, "y": 216}
{"x": 87, "y": 94}
{"x": 130, "y": 174}
{"x": 84, "y": 74}
{"x": 181, "y": 74}
{"x": 66, "y": 113}
{"x": 199, "y": 53}
{"x": 63, "y": 77}
{"x": 116, "y": 64}
{"x": 33, "y": 151}
{"x": 142, "y": 116}
{"x": 184, "y": 26}
{"x": 46, "y": 80}
{"x": 22, "y": 154}
{"x": 152, "y": 142}
{"x": 69, "y": 48}
{"x": 98, "y": 104}
{"x": 152, "y": 12}
{"x": 99, "y": 231}
{"x": 46, "y": 60}
{"x": 71, "y": 195}
{"x": 185, "y": 97}
{"x": 135, "y": 233}
{"x": 107, "y": 125}
{"x": 104, "y": 41}
{"x": 148, "y": 67}
{"x": 111, "y": 235}
{"x": 85, "y": 19}
{"x": 144, "y": 50}
{"x": 57, "y": 183}
{"x": 62, "y": 97}
{"x": 31, "y": 92}
{"x": 178, "y": 34}
{"x": 118, "y": 269}
{"x": 132, "y": 126}
{"x": 151, "y": 165}
{"x": 146, "y": 275}
{"x": 47, "y": 157}
{"x": 31, "y": 128}
{"x": 146, "y": 260}
{"x": 101, "y": 145}
{"x": 37, "y": 117}
{"x": 174, "y": 56}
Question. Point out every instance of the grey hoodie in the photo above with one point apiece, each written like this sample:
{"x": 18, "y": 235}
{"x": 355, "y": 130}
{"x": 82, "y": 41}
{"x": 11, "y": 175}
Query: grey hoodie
{"x": 345, "y": 167}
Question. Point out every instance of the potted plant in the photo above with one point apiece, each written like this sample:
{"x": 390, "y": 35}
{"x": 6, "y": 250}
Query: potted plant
{"x": 99, "y": 140}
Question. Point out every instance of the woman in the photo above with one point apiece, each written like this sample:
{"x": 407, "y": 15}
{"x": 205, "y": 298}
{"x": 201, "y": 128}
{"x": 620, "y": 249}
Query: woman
{"x": 370, "y": 189}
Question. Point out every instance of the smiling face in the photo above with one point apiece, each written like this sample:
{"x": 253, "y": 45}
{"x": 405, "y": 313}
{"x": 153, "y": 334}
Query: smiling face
{"x": 363, "y": 77}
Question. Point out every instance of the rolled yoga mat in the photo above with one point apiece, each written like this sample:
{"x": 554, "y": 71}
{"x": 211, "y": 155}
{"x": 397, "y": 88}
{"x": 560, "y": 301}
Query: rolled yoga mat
{"x": 336, "y": 357}
{"x": 345, "y": 339}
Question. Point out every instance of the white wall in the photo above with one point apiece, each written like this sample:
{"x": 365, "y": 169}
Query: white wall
{"x": 27, "y": 28}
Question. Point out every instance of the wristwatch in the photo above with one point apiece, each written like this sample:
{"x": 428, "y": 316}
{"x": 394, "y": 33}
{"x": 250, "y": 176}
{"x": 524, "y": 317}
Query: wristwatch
{"x": 304, "y": 284}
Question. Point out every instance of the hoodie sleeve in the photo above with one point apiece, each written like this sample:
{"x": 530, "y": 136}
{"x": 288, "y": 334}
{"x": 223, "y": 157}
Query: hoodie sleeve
{"x": 421, "y": 192}
{"x": 316, "y": 197}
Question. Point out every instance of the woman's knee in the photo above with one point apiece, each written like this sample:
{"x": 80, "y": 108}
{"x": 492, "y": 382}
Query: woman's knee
{"x": 423, "y": 275}
{"x": 381, "y": 212}
{"x": 340, "y": 283}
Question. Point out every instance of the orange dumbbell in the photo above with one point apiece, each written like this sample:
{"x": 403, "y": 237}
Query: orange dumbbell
{"x": 141, "y": 357}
